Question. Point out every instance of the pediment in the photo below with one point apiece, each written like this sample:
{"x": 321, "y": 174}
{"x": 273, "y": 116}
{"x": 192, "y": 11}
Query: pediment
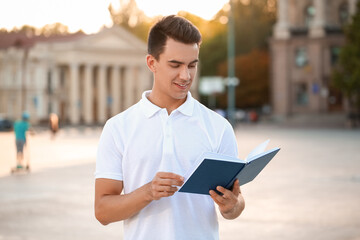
{"x": 108, "y": 42}
{"x": 115, "y": 38}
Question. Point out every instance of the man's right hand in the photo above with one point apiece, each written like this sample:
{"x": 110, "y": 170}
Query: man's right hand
{"x": 112, "y": 206}
{"x": 164, "y": 185}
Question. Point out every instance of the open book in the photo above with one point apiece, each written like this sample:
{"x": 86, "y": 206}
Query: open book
{"x": 212, "y": 170}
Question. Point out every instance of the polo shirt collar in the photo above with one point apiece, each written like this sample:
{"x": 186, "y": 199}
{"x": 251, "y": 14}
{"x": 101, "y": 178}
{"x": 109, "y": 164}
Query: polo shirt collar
{"x": 187, "y": 107}
{"x": 149, "y": 109}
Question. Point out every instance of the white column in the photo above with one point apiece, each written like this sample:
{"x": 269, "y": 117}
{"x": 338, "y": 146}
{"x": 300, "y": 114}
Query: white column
{"x": 74, "y": 115}
{"x": 352, "y": 7}
{"x": 115, "y": 90}
{"x": 55, "y": 91}
{"x": 129, "y": 86}
{"x": 15, "y": 84}
{"x": 88, "y": 94}
{"x": 318, "y": 27}
{"x": 39, "y": 98}
{"x": 145, "y": 80}
{"x": 282, "y": 25}
{"x": 101, "y": 94}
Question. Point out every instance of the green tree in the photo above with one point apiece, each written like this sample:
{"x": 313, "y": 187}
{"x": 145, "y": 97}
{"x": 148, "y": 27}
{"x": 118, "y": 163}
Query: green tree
{"x": 346, "y": 76}
{"x": 254, "y": 20}
{"x": 27, "y": 29}
{"x": 53, "y": 29}
{"x": 254, "y": 80}
{"x": 47, "y": 30}
{"x": 131, "y": 18}
{"x": 253, "y": 26}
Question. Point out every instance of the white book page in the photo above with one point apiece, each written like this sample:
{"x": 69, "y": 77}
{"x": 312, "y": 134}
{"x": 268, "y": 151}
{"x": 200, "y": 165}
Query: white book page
{"x": 259, "y": 149}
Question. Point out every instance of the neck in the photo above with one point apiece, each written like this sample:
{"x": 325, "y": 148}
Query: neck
{"x": 165, "y": 101}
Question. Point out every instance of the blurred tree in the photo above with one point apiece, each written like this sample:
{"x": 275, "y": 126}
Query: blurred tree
{"x": 253, "y": 21}
{"x": 53, "y": 29}
{"x": 207, "y": 28}
{"x": 131, "y": 18}
{"x": 28, "y": 30}
{"x": 47, "y": 30}
{"x": 253, "y": 26}
{"x": 346, "y": 76}
{"x": 253, "y": 72}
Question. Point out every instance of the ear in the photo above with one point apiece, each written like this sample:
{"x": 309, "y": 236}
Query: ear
{"x": 151, "y": 63}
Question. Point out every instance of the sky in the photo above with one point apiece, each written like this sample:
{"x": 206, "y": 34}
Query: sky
{"x": 91, "y": 15}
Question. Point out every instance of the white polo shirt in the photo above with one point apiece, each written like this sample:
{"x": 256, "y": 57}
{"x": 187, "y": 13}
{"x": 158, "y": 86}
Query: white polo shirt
{"x": 143, "y": 140}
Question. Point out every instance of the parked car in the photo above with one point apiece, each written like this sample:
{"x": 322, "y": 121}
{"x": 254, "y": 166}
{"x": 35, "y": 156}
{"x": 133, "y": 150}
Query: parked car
{"x": 5, "y": 124}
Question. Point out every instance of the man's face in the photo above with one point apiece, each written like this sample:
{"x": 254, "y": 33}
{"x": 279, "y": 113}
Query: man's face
{"x": 175, "y": 70}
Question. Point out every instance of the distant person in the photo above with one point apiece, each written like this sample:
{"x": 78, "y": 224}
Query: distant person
{"x": 145, "y": 151}
{"x": 21, "y": 127}
{"x": 54, "y": 124}
{"x": 253, "y": 116}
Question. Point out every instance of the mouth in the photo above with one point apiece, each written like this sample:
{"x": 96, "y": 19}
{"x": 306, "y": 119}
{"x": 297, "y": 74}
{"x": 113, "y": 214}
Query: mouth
{"x": 182, "y": 85}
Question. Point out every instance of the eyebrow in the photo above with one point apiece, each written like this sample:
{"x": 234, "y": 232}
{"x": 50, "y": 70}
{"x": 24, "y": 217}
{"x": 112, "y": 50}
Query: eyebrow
{"x": 178, "y": 62}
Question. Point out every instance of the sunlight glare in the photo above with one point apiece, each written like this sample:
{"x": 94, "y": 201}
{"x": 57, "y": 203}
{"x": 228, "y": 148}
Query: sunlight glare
{"x": 205, "y": 9}
{"x": 91, "y": 15}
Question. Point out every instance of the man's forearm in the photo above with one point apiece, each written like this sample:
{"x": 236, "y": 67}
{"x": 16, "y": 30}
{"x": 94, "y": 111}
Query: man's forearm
{"x": 113, "y": 208}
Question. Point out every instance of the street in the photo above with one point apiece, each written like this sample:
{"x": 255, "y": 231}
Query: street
{"x": 310, "y": 190}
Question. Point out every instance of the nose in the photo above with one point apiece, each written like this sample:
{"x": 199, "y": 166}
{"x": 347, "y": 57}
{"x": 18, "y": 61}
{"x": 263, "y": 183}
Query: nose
{"x": 185, "y": 73}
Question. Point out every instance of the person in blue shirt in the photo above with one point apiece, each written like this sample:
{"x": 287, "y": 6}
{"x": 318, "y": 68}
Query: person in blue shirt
{"x": 20, "y": 128}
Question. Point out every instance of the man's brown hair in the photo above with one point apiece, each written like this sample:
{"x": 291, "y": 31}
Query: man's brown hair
{"x": 175, "y": 27}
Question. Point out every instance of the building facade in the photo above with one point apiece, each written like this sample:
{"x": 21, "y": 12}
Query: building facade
{"x": 305, "y": 46}
{"x": 85, "y": 79}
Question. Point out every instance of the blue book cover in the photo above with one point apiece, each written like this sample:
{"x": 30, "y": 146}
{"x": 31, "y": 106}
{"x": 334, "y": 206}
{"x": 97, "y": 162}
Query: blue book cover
{"x": 214, "y": 170}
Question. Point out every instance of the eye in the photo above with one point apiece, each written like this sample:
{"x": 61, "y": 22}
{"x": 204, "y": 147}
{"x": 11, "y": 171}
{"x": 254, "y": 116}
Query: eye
{"x": 174, "y": 65}
{"x": 192, "y": 66}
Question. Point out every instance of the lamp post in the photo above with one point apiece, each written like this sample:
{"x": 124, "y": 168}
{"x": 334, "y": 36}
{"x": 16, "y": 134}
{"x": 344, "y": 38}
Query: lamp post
{"x": 231, "y": 66}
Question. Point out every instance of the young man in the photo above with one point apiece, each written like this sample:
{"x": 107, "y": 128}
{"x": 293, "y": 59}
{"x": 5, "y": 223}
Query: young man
{"x": 145, "y": 150}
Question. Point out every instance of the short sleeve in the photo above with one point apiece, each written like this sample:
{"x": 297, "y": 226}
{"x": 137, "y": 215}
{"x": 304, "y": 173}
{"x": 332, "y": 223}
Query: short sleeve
{"x": 228, "y": 144}
{"x": 109, "y": 155}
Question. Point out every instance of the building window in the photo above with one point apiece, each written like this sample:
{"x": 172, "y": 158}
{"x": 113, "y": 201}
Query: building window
{"x": 301, "y": 57}
{"x": 343, "y": 14}
{"x": 334, "y": 55}
{"x": 309, "y": 15}
{"x": 301, "y": 94}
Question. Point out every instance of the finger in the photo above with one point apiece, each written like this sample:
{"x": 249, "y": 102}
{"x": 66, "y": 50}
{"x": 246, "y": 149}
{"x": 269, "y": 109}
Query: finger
{"x": 169, "y": 175}
{"x": 159, "y": 195}
{"x": 158, "y": 188}
{"x": 218, "y": 199}
{"x": 169, "y": 182}
{"x": 175, "y": 179}
{"x": 236, "y": 188}
{"x": 214, "y": 195}
{"x": 225, "y": 192}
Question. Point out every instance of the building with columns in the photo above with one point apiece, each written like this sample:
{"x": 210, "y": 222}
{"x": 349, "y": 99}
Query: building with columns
{"x": 85, "y": 79}
{"x": 305, "y": 46}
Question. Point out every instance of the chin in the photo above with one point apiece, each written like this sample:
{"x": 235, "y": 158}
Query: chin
{"x": 180, "y": 96}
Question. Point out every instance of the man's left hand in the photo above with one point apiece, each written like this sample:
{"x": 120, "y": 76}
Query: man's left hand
{"x": 231, "y": 203}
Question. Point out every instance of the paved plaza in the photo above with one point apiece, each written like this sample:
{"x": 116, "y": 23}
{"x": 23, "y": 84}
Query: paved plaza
{"x": 311, "y": 190}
